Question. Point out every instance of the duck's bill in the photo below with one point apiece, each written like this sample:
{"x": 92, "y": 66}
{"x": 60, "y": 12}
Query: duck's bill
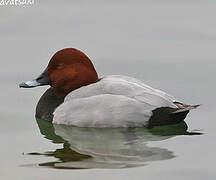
{"x": 29, "y": 84}
{"x": 42, "y": 80}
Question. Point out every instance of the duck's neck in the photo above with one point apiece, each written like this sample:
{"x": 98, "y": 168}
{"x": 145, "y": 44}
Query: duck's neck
{"x": 47, "y": 104}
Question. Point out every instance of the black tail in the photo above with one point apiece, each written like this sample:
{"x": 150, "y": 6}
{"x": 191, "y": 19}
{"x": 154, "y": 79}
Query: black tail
{"x": 168, "y": 115}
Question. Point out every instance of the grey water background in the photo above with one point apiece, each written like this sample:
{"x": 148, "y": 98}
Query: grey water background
{"x": 167, "y": 44}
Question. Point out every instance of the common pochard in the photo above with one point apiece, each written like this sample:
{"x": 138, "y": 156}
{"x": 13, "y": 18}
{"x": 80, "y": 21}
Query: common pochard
{"x": 78, "y": 97}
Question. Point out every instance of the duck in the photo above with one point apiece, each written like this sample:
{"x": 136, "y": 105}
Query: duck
{"x": 78, "y": 97}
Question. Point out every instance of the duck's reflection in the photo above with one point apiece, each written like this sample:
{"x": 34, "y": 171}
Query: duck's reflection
{"x": 107, "y": 148}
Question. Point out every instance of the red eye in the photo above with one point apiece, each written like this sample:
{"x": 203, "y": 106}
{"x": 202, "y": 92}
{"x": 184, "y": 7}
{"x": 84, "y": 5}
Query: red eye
{"x": 59, "y": 66}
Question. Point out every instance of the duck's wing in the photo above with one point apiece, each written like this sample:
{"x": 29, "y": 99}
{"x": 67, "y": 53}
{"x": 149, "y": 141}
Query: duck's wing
{"x": 125, "y": 86}
{"x": 183, "y": 107}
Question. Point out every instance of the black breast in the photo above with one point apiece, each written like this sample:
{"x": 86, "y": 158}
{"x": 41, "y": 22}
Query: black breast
{"x": 47, "y": 104}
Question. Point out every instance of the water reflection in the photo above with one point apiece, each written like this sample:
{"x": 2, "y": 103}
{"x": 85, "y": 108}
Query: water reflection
{"x": 107, "y": 148}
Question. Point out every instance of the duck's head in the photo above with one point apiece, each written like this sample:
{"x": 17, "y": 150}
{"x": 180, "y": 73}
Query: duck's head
{"x": 68, "y": 69}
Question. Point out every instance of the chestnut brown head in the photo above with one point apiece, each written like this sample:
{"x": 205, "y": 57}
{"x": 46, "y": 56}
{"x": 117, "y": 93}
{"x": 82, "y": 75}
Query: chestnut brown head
{"x": 68, "y": 69}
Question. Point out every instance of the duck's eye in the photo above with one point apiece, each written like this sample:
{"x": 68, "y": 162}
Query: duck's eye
{"x": 60, "y": 66}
